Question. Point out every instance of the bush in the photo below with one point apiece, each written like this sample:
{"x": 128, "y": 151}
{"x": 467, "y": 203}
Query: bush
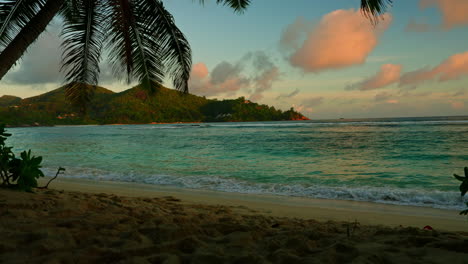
{"x": 20, "y": 173}
{"x": 463, "y": 187}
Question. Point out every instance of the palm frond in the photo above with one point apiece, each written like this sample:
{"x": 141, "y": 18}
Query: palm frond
{"x": 238, "y": 5}
{"x": 131, "y": 45}
{"x": 170, "y": 42}
{"x": 83, "y": 34}
{"x": 119, "y": 39}
{"x": 15, "y": 15}
{"x": 79, "y": 94}
{"x": 373, "y": 9}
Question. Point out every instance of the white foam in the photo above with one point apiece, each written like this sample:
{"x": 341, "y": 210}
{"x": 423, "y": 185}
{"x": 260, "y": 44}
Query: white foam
{"x": 387, "y": 195}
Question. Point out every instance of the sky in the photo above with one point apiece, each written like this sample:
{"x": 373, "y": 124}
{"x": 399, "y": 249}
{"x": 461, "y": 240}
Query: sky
{"x": 323, "y": 58}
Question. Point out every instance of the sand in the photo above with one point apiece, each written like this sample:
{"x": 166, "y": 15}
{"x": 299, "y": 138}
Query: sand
{"x": 79, "y": 221}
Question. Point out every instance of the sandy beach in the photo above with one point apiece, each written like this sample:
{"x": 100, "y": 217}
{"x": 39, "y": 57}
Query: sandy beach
{"x": 81, "y": 221}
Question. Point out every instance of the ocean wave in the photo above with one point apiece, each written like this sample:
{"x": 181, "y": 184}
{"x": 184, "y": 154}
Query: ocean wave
{"x": 386, "y": 195}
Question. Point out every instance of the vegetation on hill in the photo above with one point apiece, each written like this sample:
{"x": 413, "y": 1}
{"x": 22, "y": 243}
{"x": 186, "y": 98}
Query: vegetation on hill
{"x": 136, "y": 106}
{"x": 8, "y": 100}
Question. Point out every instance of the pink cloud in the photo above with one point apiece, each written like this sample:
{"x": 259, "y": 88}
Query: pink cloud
{"x": 457, "y": 105}
{"x": 454, "y": 12}
{"x": 225, "y": 79}
{"x": 392, "y": 101}
{"x": 341, "y": 39}
{"x": 229, "y": 78}
{"x": 455, "y": 67}
{"x": 388, "y": 74}
{"x": 199, "y": 70}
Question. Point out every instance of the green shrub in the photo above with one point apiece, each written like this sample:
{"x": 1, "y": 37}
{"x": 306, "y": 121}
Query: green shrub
{"x": 463, "y": 187}
{"x": 20, "y": 173}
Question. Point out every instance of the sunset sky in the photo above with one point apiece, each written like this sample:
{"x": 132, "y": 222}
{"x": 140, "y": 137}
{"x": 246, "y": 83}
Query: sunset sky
{"x": 321, "y": 57}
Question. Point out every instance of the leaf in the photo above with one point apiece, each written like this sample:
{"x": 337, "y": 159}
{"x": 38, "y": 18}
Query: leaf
{"x": 238, "y": 5}
{"x": 14, "y": 15}
{"x": 132, "y": 48}
{"x": 171, "y": 43}
{"x": 464, "y": 188}
{"x": 84, "y": 34}
{"x": 373, "y": 9}
{"x": 458, "y": 177}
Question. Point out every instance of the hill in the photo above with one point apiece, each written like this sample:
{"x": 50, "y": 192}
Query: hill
{"x": 8, "y": 100}
{"x": 134, "y": 106}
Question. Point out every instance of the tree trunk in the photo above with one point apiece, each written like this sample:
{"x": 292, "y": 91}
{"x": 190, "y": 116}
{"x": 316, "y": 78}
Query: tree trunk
{"x": 28, "y": 34}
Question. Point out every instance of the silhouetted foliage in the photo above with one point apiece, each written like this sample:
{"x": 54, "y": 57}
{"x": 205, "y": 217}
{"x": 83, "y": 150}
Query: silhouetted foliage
{"x": 463, "y": 187}
{"x": 21, "y": 173}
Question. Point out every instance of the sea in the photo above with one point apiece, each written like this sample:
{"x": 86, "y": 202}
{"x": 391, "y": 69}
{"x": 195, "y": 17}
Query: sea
{"x": 404, "y": 161}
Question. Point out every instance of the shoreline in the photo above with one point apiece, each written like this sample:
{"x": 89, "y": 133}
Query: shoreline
{"x": 154, "y": 123}
{"x": 368, "y": 213}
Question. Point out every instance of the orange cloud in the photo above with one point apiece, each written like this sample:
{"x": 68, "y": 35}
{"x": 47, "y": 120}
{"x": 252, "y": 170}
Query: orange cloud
{"x": 341, "y": 39}
{"x": 455, "y": 67}
{"x": 225, "y": 78}
{"x": 388, "y": 74}
{"x": 454, "y": 12}
{"x": 199, "y": 70}
{"x": 458, "y": 105}
{"x": 228, "y": 78}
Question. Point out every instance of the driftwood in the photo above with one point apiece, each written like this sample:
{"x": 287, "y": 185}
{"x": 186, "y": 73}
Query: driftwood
{"x": 59, "y": 171}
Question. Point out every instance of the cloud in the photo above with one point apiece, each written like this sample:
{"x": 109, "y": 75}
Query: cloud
{"x": 225, "y": 78}
{"x": 292, "y": 34}
{"x": 199, "y": 70}
{"x": 288, "y": 95}
{"x": 314, "y": 101}
{"x": 225, "y": 71}
{"x": 460, "y": 92}
{"x": 382, "y": 96}
{"x": 228, "y": 78}
{"x": 455, "y": 67}
{"x": 41, "y": 64}
{"x": 388, "y": 74}
{"x": 264, "y": 82}
{"x": 386, "y": 98}
{"x": 342, "y": 38}
{"x": 454, "y": 12}
{"x": 457, "y": 105}
{"x": 266, "y": 74}
{"x": 414, "y": 26}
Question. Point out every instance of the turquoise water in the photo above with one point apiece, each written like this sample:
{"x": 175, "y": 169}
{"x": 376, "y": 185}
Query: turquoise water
{"x": 401, "y": 161}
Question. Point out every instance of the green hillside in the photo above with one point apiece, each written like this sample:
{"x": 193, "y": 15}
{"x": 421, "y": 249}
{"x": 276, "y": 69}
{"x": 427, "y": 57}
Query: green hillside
{"x": 8, "y": 100}
{"x": 134, "y": 106}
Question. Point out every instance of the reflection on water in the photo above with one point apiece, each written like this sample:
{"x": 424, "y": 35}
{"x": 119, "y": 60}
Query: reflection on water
{"x": 354, "y": 160}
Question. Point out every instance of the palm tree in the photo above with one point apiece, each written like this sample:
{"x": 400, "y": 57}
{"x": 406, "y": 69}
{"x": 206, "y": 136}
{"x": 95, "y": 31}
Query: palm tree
{"x": 143, "y": 42}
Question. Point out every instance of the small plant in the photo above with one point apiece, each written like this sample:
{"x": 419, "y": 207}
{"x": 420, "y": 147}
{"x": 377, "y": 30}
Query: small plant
{"x": 20, "y": 173}
{"x": 463, "y": 187}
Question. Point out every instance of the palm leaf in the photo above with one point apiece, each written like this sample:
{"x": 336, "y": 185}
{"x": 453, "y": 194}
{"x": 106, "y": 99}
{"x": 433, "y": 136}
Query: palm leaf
{"x": 79, "y": 94}
{"x": 238, "y": 5}
{"x": 132, "y": 48}
{"x": 119, "y": 40}
{"x": 14, "y": 15}
{"x": 83, "y": 34}
{"x": 170, "y": 42}
{"x": 373, "y": 9}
